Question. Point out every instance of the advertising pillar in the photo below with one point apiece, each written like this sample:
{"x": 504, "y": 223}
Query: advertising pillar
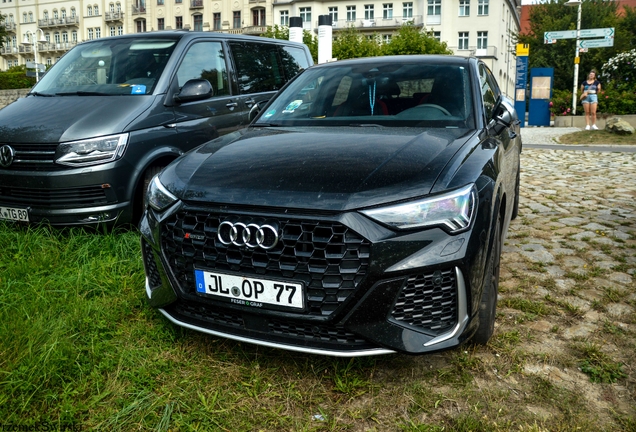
{"x": 296, "y": 29}
{"x": 325, "y": 40}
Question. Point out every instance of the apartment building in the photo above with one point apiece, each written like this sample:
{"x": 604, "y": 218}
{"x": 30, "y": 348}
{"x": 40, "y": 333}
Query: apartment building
{"x": 482, "y": 28}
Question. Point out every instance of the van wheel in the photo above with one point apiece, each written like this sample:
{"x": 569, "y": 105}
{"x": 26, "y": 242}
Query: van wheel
{"x": 140, "y": 197}
{"x": 488, "y": 303}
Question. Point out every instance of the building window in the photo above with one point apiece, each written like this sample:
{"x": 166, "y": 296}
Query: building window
{"x": 141, "y": 25}
{"x": 96, "y": 10}
{"x": 160, "y": 24}
{"x": 386, "y": 38}
{"x": 56, "y": 37}
{"x": 284, "y": 18}
{"x": 387, "y": 11}
{"x": 351, "y": 13}
{"x": 65, "y": 37}
{"x": 120, "y": 30}
{"x": 236, "y": 19}
{"x": 98, "y": 32}
{"x": 112, "y": 31}
{"x": 482, "y": 7}
{"x": 178, "y": 1}
{"x": 434, "y": 7}
{"x": 482, "y": 40}
{"x": 46, "y": 15}
{"x": 333, "y": 13}
{"x": 90, "y": 35}
{"x": 89, "y": 11}
{"x": 198, "y": 22}
{"x": 305, "y": 14}
{"x": 368, "y": 12}
{"x": 48, "y": 37}
{"x": 407, "y": 10}
{"x": 178, "y": 22}
{"x": 160, "y": 2}
{"x": 111, "y": 7}
{"x": 30, "y": 17}
{"x": 55, "y": 14}
{"x": 464, "y": 7}
{"x": 118, "y": 5}
{"x": 74, "y": 36}
{"x": 216, "y": 21}
{"x": 24, "y": 17}
{"x": 49, "y": 62}
{"x": 437, "y": 36}
{"x": 258, "y": 17}
{"x": 73, "y": 13}
{"x": 63, "y": 13}
{"x": 462, "y": 42}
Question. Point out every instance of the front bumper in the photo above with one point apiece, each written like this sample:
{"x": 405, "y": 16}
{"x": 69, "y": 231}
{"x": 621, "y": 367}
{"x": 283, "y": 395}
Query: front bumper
{"x": 413, "y": 292}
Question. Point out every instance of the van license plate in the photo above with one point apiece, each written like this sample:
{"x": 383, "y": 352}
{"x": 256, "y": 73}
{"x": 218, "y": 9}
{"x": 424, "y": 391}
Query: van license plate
{"x": 14, "y": 214}
{"x": 250, "y": 291}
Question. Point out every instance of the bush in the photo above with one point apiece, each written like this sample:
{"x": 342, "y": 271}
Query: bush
{"x": 561, "y": 102}
{"x": 15, "y": 78}
{"x": 620, "y": 70}
{"x": 612, "y": 100}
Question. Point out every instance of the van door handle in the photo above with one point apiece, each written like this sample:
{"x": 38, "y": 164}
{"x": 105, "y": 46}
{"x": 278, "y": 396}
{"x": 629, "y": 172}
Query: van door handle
{"x": 249, "y": 102}
{"x": 231, "y": 105}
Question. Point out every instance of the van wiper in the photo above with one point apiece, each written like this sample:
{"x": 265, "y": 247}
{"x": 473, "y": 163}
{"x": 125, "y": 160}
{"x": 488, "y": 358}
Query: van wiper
{"x": 82, "y": 93}
{"x": 40, "y": 94}
{"x": 365, "y": 125}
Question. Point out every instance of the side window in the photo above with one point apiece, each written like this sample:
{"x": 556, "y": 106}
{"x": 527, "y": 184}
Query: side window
{"x": 205, "y": 60}
{"x": 489, "y": 90}
{"x": 258, "y": 67}
{"x": 293, "y": 60}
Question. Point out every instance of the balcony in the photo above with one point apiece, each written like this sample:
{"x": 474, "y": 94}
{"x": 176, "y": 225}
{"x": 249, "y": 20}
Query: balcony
{"x": 53, "y": 47}
{"x": 59, "y": 22}
{"x": 250, "y": 30}
{"x": 113, "y": 16}
{"x": 196, "y": 4}
{"x": 9, "y": 27}
{"x": 377, "y": 23}
{"x": 9, "y": 50}
{"x": 138, "y": 9}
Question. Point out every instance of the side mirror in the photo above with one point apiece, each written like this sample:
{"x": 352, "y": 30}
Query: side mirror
{"x": 255, "y": 110}
{"x": 194, "y": 90}
{"x": 504, "y": 115}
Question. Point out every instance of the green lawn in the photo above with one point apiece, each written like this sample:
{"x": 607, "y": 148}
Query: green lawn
{"x": 79, "y": 347}
{"x": 597, "y": 137}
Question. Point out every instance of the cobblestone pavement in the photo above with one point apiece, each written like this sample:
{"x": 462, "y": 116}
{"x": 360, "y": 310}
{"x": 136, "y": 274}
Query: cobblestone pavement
{"x": 572, "y": 252}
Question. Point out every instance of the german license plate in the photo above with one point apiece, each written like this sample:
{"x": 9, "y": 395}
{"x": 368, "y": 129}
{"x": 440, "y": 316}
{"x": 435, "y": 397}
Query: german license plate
{"x": 14, "y": 214}
{"x": 249, "y": 291}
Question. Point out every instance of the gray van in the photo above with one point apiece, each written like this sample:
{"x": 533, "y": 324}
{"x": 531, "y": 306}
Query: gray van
{"x": 81, "y": 147}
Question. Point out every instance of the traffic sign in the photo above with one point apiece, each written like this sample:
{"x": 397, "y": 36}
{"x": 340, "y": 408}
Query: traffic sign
{"x": 596, "y": 43}
{"x": 607, "y": 32}
{"x": 554, "y": 35}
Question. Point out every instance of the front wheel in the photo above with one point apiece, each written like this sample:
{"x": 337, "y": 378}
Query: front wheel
{"x": 488, "y": 303}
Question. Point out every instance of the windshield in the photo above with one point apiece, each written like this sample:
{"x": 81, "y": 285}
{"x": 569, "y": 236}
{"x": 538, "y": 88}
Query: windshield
{"x": 413, "y": 94}
{"x": 108, "y": 67}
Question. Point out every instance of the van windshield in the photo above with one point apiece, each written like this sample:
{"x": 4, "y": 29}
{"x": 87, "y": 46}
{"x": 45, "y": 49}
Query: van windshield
{"x": 108, "y": 67}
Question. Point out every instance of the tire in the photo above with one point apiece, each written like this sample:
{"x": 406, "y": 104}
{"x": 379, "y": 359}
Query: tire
{"x": 488, "y": 303}
{"x": 515, "y": 206}
{"x": 140, "y": 196}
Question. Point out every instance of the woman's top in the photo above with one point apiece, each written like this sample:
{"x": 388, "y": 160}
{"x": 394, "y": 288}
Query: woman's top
{"x": 591, "y": 88}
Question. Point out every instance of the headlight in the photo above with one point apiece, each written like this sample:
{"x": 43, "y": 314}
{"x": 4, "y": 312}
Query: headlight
{"x": 453, "y": 211}
{"x": 91, "y": 151}
{"x": 157, "y": 196}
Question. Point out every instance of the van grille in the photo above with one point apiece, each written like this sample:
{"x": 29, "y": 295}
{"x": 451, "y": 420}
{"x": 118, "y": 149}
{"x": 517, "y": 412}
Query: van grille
{"x": 33, "y": 157}
{"x": 54, "y": 198}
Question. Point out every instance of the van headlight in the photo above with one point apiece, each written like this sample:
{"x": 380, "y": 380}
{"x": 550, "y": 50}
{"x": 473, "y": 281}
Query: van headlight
{"x": 157, "y": 196}
{"x": 91, "y": 151}
{"x": 453, "y": 211}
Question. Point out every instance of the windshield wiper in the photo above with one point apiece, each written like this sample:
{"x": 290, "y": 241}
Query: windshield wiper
{"x": 40, "y": 94}
{"x": 365, "y": 125}
{"x": 83, "y": 93}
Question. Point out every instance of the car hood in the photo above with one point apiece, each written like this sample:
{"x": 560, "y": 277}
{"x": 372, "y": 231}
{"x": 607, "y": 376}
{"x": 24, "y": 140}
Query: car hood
{"x": 37, "y": 119}
{"x": 315, "y": 168}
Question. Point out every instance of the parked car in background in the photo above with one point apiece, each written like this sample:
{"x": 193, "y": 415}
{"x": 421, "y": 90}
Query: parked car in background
{"x": 85, "y": 142}
{"x": 362, "y": 212}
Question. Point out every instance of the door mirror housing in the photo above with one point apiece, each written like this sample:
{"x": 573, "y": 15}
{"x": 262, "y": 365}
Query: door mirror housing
{"x": 194, "y": 90}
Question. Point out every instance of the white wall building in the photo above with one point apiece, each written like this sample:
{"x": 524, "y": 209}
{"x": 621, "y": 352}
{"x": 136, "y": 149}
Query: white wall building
{"x": 483, "y": 28}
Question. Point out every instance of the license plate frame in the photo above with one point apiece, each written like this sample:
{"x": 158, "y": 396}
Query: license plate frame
{"x": 14, "y": 214}
{"x": 266, "y": 293}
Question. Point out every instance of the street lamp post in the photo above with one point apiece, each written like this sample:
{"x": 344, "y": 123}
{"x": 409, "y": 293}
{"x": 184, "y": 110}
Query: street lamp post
{"x": 576, "y": 52}
{"x": 34, "y": 43}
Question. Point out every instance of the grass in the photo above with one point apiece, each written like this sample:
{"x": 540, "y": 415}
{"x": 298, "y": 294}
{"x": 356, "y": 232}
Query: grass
{"x": 80, "y": 348}
{"x": 597, "y": 137}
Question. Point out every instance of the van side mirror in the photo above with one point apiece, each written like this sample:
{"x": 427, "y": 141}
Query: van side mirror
{"x": 503, "y": 116}
{"x": 194, "y": 90}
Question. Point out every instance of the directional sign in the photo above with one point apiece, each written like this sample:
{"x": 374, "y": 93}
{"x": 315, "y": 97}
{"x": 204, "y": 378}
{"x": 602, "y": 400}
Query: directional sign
{"x": 596, "y": 43}
{"x": 607, "y": 32}
{"x": 554, "y": 35}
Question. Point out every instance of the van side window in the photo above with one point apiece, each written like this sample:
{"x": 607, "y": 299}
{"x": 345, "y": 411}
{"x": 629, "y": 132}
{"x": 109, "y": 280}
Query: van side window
{"x": 205, "y": 60}
{"x": 258, "y": 67}
{"x": 293, "y": 59}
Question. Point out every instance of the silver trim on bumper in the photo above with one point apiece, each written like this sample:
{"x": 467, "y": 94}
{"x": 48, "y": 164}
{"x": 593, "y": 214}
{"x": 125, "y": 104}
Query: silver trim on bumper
{"x": 461, "y": 312}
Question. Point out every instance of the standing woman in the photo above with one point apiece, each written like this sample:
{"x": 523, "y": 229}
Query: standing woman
{"x": 589, "y": 98}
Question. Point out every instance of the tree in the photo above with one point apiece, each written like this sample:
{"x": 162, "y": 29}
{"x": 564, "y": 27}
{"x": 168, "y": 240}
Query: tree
{"x": 412, "y": 40}
{"x": 278, "y": 32}
{"x": 3, "y": 30}
{"x": 554, "y": 16}
{"x": 350, "y": 43}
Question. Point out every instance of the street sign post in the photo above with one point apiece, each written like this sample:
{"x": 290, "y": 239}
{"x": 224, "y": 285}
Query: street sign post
{"x": 607, "y": 32}
{"x": 553, "y": 36}
{"x": 596, "y": 43}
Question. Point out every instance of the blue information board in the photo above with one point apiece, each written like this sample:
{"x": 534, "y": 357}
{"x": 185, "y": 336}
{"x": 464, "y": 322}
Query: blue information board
{"x": 541, "y": 80}
{"x": 521, "y": 81}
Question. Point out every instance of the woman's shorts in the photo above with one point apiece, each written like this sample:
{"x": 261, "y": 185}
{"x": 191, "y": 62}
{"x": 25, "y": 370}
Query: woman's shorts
{"x": 593, "y": 98}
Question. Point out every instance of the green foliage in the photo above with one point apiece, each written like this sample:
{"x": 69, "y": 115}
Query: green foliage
{"x": 620, "y": 70}
{"x": 599, "y": 366}
{"x": 282, "y": 33}
{"x": 15, "y": 78}
{"x": 350, "y": 43}
{"x": 3, "y": 30}
{"x": 612, "y": 100}
{"x": 561, "y": 102}
{"x": 554, "y": 16}
{"x": 412, "y": 40}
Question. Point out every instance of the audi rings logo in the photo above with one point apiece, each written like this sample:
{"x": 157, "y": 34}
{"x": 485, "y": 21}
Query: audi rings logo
{"x": 6, "y": 155}
{"x": 252, "y": 235}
